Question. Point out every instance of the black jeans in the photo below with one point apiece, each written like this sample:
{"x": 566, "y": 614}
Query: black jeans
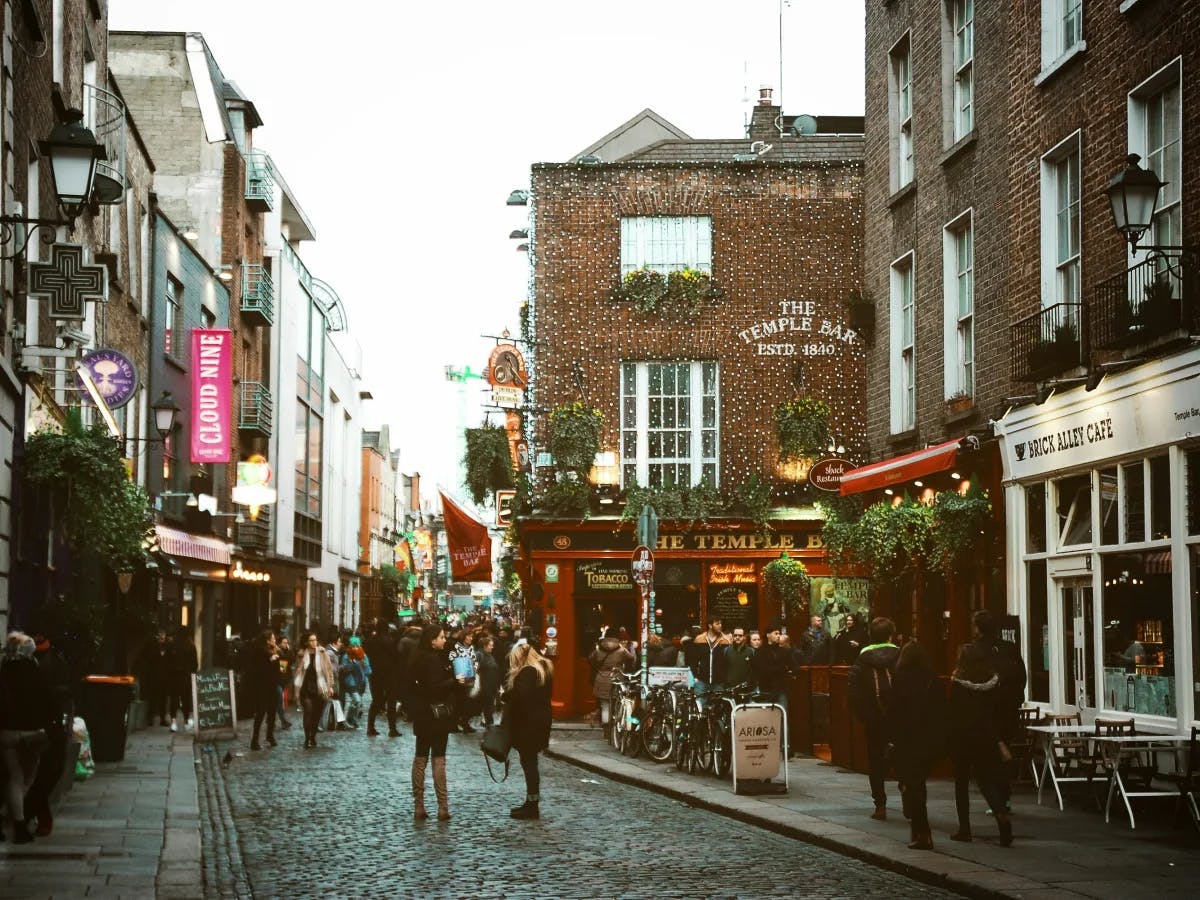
{"x": 264, "y": 708}
{"x": 489, "y": 708}
{"x": 533, "y": 778}
{"x": 913, "y": 776}
{"x": 877, "y": 762}
{"x": 179, "y": 696}
{"x": 382, "y": 697}
{"x": 432, "y": 744}
{"x": 50, "y": 770}
{"x": 313, "y": 706}
{"x": 984, "y": 761}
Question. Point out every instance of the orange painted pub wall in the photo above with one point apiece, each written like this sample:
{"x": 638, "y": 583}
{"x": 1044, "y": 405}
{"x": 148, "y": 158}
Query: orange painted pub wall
{"x": 578, "y": 582}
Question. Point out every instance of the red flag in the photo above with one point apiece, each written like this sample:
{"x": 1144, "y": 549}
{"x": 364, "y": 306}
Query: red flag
{"x": 469, "y": 542}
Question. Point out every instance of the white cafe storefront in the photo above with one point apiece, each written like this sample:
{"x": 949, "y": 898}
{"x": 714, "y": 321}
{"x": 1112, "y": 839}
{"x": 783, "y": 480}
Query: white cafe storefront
{"x": 1102, "y": 490}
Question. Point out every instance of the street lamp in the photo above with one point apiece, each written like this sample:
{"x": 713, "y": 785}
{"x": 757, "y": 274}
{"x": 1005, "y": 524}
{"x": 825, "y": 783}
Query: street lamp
{"x": 165, "y": 410}
{"x": 1133, "y": 194}
{"x": 73, "y": 153}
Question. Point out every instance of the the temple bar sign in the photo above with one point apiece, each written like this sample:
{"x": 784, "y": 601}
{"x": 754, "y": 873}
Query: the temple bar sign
{"x": 739, "y": 542}
{"x": 719, "y": 541}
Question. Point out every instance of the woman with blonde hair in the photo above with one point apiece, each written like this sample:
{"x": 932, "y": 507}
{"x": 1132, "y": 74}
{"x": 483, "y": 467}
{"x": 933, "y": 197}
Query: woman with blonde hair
{"x": 528, "y": 717}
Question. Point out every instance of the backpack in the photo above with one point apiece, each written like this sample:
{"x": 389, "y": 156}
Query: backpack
{"x": 881, "y": 686}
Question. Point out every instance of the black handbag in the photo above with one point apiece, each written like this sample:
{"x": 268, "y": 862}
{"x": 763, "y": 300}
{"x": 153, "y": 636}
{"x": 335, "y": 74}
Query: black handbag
{"x": 496, "y": 745}
{"x": 441, "y": 712}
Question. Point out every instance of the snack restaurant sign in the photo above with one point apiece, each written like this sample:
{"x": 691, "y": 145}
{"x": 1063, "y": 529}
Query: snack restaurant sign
{"x": 1049, "y": 438}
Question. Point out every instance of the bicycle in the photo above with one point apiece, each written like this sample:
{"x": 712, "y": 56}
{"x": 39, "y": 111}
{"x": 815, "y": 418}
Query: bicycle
{"x": 718, "y": 721}
{"x": 686, "y": 711}
{"x": 658, "y": 723}
{"x": 624, "y": 701}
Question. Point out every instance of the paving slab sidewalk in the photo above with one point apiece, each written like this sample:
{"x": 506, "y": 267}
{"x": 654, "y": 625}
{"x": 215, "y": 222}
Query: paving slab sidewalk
{"x": 131, "y": 830}
{"x": 1056, "y": 854}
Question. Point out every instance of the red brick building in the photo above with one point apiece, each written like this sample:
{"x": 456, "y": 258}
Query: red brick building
{"x": 686, "y": 395}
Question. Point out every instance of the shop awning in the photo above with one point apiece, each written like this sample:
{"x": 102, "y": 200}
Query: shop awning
{"x": 899, "y": 469}
{"x": 1158, "y": 562}
{"x": 196, "y": 546}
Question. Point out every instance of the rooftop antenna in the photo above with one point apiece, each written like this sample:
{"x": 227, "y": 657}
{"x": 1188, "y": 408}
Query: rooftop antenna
{"x": 779, "y": 121}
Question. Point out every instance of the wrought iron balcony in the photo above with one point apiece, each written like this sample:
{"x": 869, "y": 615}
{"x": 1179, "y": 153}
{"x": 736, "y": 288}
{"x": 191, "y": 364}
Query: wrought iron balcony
{"x": 257, "y": 411}
{"x": 256, "y": 535}
{"x": 258, "y": 295}
{"x": 1049, "y": 342}
{"x": 260, "y": 182}
{"x": 1152, "y": 301}
{"x": 104, "y": 114}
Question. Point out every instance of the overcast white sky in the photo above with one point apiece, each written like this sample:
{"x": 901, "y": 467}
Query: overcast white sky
{"x": 403, "y": 126}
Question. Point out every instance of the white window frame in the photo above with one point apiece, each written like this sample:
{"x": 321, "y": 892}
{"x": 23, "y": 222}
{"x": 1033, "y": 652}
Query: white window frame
{"x": 1168, "y": 218}
{"x": 960, "y": 15}
{"x": 903, "y": 355}
{"x": 1062, "y": 32}
{"x": 900, "y": 106}
{"x": 958, "y": 293}
{"x": 1059, "y": 274}
{"x": 666, "y": 243}
{"x": 640, "y": 461}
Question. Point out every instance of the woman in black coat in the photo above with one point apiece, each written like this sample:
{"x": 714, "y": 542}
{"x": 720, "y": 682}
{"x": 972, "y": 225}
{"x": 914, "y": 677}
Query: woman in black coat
{"x": 261, "y": 684}
{"x": 530, "y": 676}
{"x": 975, "y": 735}
{"x": 26, "y": 711}
{"x": 916, "y": 723}
{"x": 432, "y": 693}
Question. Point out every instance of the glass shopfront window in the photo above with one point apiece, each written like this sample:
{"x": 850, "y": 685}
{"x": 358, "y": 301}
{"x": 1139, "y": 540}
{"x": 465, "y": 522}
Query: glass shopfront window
{"x": 1135, "y": 502}
{"x": 1194, "y": 557}
{"x": 1074, "y": 507}
{"x": 1108, "y": 506}
{"x": 1038, "y": 651}
{"x": 1035, "y": 518}
{"x": 1191, "y": 481}
{"x": 1139, "y": 634}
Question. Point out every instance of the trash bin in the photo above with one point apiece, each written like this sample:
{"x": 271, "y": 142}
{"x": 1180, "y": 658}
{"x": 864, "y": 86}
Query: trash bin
{"x": 106, "y": 700}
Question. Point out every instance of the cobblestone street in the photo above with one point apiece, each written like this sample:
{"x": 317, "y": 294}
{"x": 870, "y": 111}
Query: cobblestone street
{"x": 337, "y": 821}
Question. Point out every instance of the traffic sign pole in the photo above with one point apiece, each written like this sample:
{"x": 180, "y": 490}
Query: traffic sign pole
{"x": 642, "y": 567}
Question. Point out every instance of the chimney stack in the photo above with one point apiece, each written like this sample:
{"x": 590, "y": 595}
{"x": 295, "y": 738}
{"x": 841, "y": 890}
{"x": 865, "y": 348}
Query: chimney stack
{"x": 763, "y": 116}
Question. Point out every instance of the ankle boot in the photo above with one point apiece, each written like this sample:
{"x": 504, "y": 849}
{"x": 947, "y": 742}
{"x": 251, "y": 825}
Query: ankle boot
{"x": 418, "y": 788}
{"x": 439, "y": 788}
{"x": 527, "y": 810}
{"x": 880, "y": 813}
{"x": 921, "y": 839}
{"x": 1004, "y": 820}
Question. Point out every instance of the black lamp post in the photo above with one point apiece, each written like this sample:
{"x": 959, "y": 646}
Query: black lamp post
{"x": 1133, "y": 194}
{"x": 73, "y": 153}
{"x": 165, "y": 410}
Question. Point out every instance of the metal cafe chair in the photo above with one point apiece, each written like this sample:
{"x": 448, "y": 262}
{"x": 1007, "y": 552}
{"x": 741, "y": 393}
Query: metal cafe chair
{"x": 1188, "y": 779}
{"x": 1023, "y": 743}
{"x": 1099, "y": 765}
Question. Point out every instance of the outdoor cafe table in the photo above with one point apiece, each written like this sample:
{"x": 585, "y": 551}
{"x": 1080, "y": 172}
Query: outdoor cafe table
{"x": 1051, "y": 736}
{"x": 1119, "y": 748}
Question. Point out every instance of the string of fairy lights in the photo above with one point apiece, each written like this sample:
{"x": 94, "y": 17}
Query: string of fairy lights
{"x": 788, "y": 230}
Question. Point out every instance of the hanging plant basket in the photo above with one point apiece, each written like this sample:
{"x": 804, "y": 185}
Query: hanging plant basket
{"x": 685, "y": 290}
{"x": 958, "y": 527}
{"x": 488, "y": 462}
{"x": 786, "y": 579}
{"x": 575, "y": 436}
{"x": 803, "y": 428}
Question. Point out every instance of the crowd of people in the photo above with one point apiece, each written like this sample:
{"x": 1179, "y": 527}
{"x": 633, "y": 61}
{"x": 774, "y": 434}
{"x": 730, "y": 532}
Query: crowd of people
{"x": 437, "y": 676}
{"x": 909, "y": 721}
{"x": 764, "y": 660}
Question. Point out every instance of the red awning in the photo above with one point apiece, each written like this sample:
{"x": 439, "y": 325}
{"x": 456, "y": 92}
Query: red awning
{"x": 196, "y": 546}
{"x": 899, "y": 469}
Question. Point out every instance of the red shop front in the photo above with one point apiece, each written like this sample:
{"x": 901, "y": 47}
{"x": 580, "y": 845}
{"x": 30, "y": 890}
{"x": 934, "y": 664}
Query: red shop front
{"x": 577, "y": 581}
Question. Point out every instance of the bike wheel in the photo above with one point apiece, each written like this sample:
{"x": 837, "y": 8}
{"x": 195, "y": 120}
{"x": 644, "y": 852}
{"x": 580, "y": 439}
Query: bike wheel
{"x": 680, "y": 750}
{"x": 713, "y": 740}
{"x": 614, "y": 721}
{"x": 722, "y": 753}
{"x": 657, "y": 736}
{"x": 696, "y": 759}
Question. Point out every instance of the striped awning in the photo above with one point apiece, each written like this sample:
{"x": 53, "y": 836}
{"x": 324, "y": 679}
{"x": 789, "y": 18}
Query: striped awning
{"x": 1157, "y": 563}
{"x": 900, "y": 468}
{"x": 196, "y": 546}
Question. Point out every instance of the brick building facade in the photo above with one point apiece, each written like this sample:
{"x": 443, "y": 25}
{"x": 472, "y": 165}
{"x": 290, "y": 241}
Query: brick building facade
{"x": 777, "y": 223}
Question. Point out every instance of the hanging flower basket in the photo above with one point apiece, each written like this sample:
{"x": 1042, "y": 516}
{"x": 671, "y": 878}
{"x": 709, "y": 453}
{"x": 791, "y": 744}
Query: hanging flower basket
{"x": 787, "y": 580}
{"x": 803, "y": 428}
{"x": 650, "y": 291}
{"x": 575, "y": 436}
{"x": 488, "y": 462}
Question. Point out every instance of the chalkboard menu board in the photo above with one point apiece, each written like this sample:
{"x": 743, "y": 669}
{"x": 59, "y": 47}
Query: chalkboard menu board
{"x": 736, "y": 604}
{"x": 214, "y": 703}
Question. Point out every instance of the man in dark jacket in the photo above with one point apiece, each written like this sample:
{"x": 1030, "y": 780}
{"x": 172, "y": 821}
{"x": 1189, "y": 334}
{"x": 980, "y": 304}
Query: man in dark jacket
{"x": 181, "y": 663}
{"x": 1006, "y": 659}
{"x": 57, "y": 676}
{"x": 152, "y": 671}
{"x": 406, "y": 651}
{"x": 772, "y": 667}
{"x": 870, "y": 684}
{"x": 849, "y": 641}
{"x": 381, "y": 650}
{"x": 815, "y": 644}
{"x": 707, "y": 657}
{"x": 738, "y": 657}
